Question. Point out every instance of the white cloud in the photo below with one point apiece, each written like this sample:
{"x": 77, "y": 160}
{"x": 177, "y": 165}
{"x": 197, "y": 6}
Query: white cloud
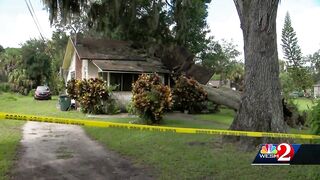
{"x": 19, "y": 27}
{"x": 224, "y": 22}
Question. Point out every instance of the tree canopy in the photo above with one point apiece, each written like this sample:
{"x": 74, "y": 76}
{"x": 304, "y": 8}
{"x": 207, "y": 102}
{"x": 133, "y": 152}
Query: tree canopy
{"x": 172, "y": 21}
{"x": 1, "y": 49}
{"x": 36, "y": 62}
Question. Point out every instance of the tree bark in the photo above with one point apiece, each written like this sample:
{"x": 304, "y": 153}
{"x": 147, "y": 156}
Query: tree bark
{"x": 260, "y": 108}
{"x": 224, "y": 96}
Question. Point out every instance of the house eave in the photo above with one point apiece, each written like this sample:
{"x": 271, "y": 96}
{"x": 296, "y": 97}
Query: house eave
{"x": 131, "y": 72}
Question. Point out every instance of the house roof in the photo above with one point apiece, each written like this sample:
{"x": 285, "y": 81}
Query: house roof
{"x": 103, "y": 49}
{"x": 113, "y": 55}
{"x": 147, "y": 66}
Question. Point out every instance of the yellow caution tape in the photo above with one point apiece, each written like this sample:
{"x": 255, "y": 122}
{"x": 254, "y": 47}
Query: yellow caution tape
{"x": 82, "y": 122}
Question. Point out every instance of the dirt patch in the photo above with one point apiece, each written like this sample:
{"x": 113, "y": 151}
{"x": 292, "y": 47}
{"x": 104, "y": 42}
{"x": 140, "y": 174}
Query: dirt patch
{"x": 215, "y": 143}
{"x": 196, "y": 143}
{"x": 67, "y": 153}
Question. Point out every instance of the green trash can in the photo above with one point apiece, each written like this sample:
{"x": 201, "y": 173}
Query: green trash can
{"x": 64, "y": 102}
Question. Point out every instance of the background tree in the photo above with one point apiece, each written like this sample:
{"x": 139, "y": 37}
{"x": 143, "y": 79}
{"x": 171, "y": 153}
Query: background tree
{"x": 221, "y": 58}
{"x": 290, "y": 47}
{"x": 314, "y": 60}
{"x": 1, "y": 49}
{"x": 36, "y": 62}
{"x": 261, "y": 106}
{"x": 236, "y": 75}
{"x": 56, "y": 50}
{"x": 75, "y": 26}
{"x": 2, "y": 72}
{"x": 191, "y": 26}
{"x": 149, "y": 22}
{"x": 10, "y": 59}
{"x": 300, "y": 75}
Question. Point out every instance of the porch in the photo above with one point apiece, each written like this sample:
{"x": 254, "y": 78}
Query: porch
{"x": 122, "y": 81}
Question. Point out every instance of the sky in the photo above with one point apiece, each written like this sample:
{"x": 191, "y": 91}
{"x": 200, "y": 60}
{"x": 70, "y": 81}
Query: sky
{"x": 305, "y": 14}
{"x": 17, "y": 25}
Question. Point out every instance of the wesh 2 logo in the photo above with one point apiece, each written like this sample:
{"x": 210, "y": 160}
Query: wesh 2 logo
{"x": 282, "y": 152}
{"x": 275, "y": 154}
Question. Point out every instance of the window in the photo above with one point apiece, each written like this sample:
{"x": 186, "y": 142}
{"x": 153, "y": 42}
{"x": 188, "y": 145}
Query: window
{"x": 85, "y": 72}
{"x": 127, "y": 82}
{"x": 115, "y": 80}
{"x": 72, "y": 75}
{"x": 123, "y": 81}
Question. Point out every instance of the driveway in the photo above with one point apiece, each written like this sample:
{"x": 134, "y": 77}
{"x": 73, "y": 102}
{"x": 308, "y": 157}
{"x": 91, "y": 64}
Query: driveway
{"x": 57, "y": 151}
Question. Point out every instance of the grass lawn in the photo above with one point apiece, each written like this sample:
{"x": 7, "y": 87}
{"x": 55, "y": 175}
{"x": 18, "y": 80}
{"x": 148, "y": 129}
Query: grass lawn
{"x": 225, "y": 116}
{"x": 10, "y": 135}
{"x": 15, "y": 103}
{"x": 185, "y": 156}
{"x": 304, "y": 104}
{"x": 173, "y": 156}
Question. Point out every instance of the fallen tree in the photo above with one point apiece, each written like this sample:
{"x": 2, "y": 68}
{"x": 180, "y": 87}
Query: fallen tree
{"x": 232, "y": 99}
{"x": 180, "y": 61}
{"x": 224, "y": 96}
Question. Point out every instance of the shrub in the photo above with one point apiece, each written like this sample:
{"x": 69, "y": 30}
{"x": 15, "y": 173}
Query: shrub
{"x": 314, "y": 118}
{"x": 92, "y": 94}
{"x": 57, "y": 85}
{"x": 188, "y": 95}
{"x": 110, "y": 107}
{"x": 32, "y": 92}
{"x": 151, "y": 98}
{"x": 131, "y": 109}
{"x": 4, "y": 87}
{"x": 71, "y": 88}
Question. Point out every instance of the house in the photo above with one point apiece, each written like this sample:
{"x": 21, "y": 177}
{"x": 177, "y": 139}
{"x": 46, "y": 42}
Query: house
{"x": 117, "y": 62}
{"x": 218, "y": 83}
{"x": 120, "y": 63}
{"x": 316, "y": 90}
{"x": 214, "y": 83}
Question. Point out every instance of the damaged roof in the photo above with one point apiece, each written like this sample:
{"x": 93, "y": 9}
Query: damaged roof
{"x": 103, "y": 49}
{"x": 148, "y": 66}
{"x": 115, "y": 55}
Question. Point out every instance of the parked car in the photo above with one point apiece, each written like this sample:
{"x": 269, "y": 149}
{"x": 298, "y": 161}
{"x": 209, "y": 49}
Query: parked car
{"x": 296, "y": 94}
{"x": 42, "y": 92}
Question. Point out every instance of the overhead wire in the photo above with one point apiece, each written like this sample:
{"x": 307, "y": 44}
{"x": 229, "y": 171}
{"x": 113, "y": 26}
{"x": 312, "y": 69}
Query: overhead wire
{"x": 34, "y": 19}
{"x": 35, "y": 15}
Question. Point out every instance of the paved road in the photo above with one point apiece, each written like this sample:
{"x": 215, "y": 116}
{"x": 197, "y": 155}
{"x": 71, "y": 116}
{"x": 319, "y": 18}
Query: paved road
{"x": 57, "y": 151}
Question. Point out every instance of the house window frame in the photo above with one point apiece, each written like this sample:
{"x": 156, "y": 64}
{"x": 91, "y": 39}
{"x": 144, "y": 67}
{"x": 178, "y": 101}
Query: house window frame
{"x": 72, "y": 74}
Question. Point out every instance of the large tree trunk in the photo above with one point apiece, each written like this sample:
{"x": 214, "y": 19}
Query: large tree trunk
{"x": 261, "y": 108}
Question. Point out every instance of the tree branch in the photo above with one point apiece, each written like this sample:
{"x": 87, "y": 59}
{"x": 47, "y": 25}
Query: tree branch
{"x": 169, "y": 4}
